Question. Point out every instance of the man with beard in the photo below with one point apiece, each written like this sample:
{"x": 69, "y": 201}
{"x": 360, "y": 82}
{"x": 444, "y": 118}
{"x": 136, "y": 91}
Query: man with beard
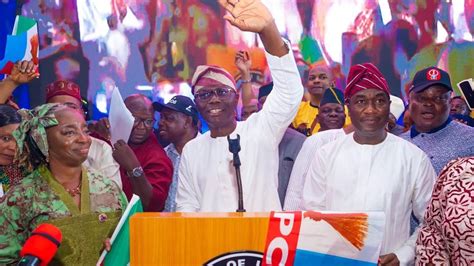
{"x": 207, "y": 179}
{"x": 365, "y": 181}
{"x": 179, "y": 122}
{"x": 433, "y": 130}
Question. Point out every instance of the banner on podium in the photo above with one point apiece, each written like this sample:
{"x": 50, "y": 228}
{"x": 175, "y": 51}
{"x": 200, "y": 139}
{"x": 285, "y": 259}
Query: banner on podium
{"x": 324, "y": 238}
{"x": 277, "y": 238}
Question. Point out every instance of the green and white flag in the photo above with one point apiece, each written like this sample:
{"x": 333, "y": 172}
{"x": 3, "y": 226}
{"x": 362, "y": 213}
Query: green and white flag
{"x": 120, "y": 252}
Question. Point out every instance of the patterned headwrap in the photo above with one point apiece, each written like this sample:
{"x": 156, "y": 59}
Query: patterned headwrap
{"x": 63, "y": 87}
{"x": 362, "y": 77}
{"x": 211, "y": 75}
{"x": 34, "y": 124}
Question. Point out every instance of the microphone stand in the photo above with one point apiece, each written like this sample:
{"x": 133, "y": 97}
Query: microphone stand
{"x": 234, "y": 148}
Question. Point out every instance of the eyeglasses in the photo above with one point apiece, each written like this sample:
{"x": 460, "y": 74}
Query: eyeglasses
{"x": 221, "y": 93}
{"x": 146, "y": 122}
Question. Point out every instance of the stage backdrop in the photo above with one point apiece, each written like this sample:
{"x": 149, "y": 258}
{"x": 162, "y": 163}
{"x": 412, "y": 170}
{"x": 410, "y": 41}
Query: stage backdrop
{"x": 153, "y": 46}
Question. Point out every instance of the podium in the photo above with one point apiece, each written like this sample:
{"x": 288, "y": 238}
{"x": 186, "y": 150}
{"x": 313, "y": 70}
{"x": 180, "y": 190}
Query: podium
{"x": 197, "y": 238}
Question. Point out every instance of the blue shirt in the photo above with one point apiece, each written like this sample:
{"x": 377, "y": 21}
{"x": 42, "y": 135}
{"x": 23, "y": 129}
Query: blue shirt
{"x": 170, "y": 204}
{"x": 445, "y": 143}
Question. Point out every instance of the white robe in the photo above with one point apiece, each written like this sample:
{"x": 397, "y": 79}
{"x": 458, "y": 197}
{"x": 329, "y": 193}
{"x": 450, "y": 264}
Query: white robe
{"x": 207, "y": 180}
{"x": 394, "y": 176}
{"x": 294, "y": 192}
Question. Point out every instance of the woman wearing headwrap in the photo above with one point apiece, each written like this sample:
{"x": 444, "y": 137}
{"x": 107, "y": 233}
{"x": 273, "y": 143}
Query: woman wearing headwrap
{"x": 10, "y": 173}
{"x": 53, "y": 142}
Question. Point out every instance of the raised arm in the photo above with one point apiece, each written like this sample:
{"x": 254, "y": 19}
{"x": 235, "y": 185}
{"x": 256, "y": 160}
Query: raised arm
{"x": 23, "y": 72}
{"x": 243, "y": 63}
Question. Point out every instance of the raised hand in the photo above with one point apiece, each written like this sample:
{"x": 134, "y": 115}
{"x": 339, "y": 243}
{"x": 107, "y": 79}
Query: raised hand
{"x": 243, "y": 62}
{"x": 23, "y": 72}
{"x": 101, "y": 127}
{"x": 247, "y": 15}
{"x": 125, "y": 156}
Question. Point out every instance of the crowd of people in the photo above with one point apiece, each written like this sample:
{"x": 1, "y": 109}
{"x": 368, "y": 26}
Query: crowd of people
{"x": 341, "y": 150}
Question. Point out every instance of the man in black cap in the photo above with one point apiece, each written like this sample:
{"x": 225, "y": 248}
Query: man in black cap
{"x": 433, "y": 129}
{"x": 331, "y": 110}
{"x": 179, "y": 123}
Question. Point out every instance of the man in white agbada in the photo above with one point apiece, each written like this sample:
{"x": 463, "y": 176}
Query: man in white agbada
{"x": 294, "y": 191}
{"x": 207, "y": 177}
{"x": 372, "y": 170}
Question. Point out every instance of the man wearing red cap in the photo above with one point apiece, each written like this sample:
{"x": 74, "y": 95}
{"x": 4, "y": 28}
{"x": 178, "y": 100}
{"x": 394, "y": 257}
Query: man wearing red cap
{"x": 207, "y": 180}
{"x": 100, "y": 153}
{"x": 384, "y": 173}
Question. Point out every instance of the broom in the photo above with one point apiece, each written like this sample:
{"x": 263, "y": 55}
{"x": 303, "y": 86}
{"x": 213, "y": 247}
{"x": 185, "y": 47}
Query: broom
{"x": 353, "y": 227}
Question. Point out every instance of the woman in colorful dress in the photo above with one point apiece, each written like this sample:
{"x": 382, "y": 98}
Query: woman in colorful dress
{"x": 53, "y": 142}
{"x": 10, "y": 173}
{"x": 447, "y": 235}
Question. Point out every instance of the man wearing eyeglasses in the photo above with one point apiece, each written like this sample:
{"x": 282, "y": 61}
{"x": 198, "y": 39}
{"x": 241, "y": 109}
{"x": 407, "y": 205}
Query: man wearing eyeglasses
{"x": 207, "y": 177}
{"x": 145, "y": 168}
{"x": 441, "y": 138}
{"x": 100, "y": 153}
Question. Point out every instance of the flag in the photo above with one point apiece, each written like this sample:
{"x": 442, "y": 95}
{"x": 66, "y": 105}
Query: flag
{"x": 119, "y": 254}
{"x": 324, "y": 238}
{"x": 23, "y": 44}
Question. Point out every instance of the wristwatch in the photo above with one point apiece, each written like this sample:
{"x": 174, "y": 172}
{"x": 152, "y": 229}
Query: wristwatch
{"x": 136, "y": 172}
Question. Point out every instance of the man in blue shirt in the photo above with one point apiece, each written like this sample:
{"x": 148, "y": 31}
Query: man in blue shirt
{"x": 433, "y": 130}
{"x": 178, "y": 124}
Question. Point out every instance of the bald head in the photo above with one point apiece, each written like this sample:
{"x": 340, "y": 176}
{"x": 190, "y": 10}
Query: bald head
{"x": 142, "y": 110}
{"x": 319, "y": 79}
{"x": 139, "y": 103}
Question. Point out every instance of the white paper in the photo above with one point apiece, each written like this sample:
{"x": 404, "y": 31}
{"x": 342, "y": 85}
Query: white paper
{"x": 120, "y": 118}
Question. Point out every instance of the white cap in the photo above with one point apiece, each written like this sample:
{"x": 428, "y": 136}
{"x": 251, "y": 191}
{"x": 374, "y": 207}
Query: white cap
{"x": 397, "y": 106}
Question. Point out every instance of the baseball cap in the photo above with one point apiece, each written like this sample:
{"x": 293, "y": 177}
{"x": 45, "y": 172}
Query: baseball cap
{"x": 179, "y": 103}
{"x": 428, "y": 77}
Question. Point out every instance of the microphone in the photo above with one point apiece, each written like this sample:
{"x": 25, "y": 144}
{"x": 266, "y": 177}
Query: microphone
{"x": 40, "y": 247}
{"x": 234, "y": 148}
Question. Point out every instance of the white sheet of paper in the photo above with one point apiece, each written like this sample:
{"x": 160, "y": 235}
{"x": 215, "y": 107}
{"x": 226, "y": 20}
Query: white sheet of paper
{"x": 120, "y": 118}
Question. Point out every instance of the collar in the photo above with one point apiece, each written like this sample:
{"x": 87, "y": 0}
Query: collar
{"x": 314, "y": 106}
{"x": 414, "y": 132}
{"x": 171, "y": 148}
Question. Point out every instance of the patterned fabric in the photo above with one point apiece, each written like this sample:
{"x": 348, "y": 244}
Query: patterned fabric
{"x": 447, "y": 236}
{"x": 34, "y": 123}
{"x": 211, "y": 75}
{"x": 452, "y": 141}
{"x": 39, "y": 198}
{"x": 363, "y": 77}
{"x": 11, "y": 175}
{"x": 63, "y": 87}
{"x": 170, "y": 204}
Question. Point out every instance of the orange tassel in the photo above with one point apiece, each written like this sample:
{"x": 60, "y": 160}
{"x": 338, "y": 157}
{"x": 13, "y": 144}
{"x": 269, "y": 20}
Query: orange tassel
{"x": 352, "y": 226}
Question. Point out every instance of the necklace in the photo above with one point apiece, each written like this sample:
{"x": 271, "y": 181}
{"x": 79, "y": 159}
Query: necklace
{"x": 74, "y": 191}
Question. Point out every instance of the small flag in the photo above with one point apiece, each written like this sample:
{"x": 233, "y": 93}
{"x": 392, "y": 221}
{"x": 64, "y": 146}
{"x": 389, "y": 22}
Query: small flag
{"x": 120, "y": 252}
{"x": 23, "y": 44}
